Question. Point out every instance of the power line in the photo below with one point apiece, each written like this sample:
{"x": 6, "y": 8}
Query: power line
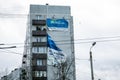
{"x": 8, "y": 51}
{"x": 99, "y": 38}
{"x": 82, "y": 59}
{"x": 14, "y": 44}
{"x": 84, "y": 40}
{"x": 6, "y": 15}
{"x": 67, "y": 43}
{"x": 63, "y": 44}
{"x": 16, "y": 15}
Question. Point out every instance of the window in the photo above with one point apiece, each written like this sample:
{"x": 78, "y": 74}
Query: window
{"x": 38, "y": 17}
{"x": 40, "y": 74}
{"x": 44, "y": 62}
{"x": 39, "y": 39}
{"x": 39, "y": 50}
{"x": 41, "y": 62}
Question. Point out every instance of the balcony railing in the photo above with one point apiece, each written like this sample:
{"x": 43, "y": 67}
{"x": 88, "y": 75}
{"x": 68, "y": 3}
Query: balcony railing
{"x": 39, "y": 44}
{"x": 41, "y": 56}
{"x": 39, "y": 33}
{"x": 39, "y": 22}
{"x": 39, "y": 78}
{"x": 39, "y": 68}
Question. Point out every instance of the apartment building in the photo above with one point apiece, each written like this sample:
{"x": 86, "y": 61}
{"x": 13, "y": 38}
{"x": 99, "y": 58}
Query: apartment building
{"x": 49, "y": 45}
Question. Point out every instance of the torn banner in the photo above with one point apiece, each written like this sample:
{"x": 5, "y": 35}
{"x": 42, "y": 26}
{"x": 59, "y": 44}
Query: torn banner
{"x": 55, "y": 54}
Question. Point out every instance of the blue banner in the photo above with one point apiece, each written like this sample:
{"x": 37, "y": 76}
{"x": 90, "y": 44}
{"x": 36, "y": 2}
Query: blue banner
{"x": 55, "y": 54}
{"x": 51, "y": 43}
{"x": 57, "y": 23}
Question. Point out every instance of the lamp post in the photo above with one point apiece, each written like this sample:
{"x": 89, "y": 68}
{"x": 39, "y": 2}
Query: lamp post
{"x": 1, "y": 44}
{"x": 91, "y": 61}
{"x": 7, "y": 47}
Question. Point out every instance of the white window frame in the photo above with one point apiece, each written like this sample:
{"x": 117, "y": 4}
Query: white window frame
{"x": 39, "y": 39}
{"x": 40, "y": 73}
{"x": 40, "y": 50}
{"x": 41, "y": 62}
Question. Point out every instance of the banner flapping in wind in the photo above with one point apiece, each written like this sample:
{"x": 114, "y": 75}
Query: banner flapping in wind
{"x": 55, "y": 54}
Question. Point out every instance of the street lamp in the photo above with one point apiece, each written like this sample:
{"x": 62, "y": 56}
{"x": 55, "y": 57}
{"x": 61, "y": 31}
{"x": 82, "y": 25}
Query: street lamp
{"x": 7, "y": 47}
{"x": 1, "y": 44}
{"x": 91, "y": 63}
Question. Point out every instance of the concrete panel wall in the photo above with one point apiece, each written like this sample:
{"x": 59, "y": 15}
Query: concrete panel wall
{"x": 63, "y": 39}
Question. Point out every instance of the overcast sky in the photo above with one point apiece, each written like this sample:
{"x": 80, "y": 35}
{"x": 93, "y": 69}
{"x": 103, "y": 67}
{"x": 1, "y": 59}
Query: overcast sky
{"x": 94, "y": 20}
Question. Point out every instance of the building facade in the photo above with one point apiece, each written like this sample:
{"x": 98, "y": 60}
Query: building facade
{"x": 49, "y": 45}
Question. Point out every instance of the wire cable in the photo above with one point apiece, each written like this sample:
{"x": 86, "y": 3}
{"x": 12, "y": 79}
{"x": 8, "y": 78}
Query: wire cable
{"x": 8, "y": 51}
{"x": 84, "y": 40}
{"x": 67, "y": 43}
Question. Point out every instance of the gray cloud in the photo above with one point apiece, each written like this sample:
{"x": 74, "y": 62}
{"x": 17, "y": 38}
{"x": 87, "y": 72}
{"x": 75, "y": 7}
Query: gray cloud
{"x": 92, "y": 18}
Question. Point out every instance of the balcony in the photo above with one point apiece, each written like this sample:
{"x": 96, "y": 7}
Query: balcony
{"x": 39, "y": 68}
{"x": 39, "y": 44}
{"x": 42, "y": 56}
{"x": 39, "y": 33}
{"x": 39, "y": 78}
{"x": 39, "y": 22}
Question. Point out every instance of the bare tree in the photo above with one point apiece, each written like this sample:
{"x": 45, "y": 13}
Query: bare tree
{"x": 64, "y": 70}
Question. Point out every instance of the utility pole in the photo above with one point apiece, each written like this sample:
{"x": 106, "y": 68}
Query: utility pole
{"x": 91, "y": 61}
{"x": 6, "y": 73}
